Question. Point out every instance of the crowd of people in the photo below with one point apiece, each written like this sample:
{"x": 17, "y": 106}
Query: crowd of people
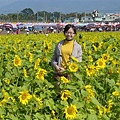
{"x": 37, "y": 28}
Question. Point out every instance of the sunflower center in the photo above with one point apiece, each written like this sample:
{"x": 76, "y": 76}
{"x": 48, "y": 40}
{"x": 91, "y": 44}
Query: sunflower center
{"x": 24, "y": 95}
{"x": 105, "y": 57}
{"x": 16, "y": 61}
{"x": 65, "y": 95}
{"x": 46, "y": 47}
{"x": 100, "y": 63}
{"x": 113, "y": 49}
{"x": 73, "y": 67}
{"x": 40, "y": 73}
{"x": 70, "y": 111}
{"x": 96, "y": 44}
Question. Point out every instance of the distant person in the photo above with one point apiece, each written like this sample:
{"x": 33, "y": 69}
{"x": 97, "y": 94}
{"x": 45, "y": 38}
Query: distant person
{"x": 27, "y": 32}
{"x": 17, "y": 31}
{"x": 8, "y": 32}
{"x": 46, "y": 34}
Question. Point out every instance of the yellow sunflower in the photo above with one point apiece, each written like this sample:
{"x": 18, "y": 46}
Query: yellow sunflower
{"x": 110, "y": 104}
{"x": 115, "y": 93}
{"x": 101, "y": 63}
{"x": 74, "y": 59}
{"x": 118, "y": 83}
{"x": 90, "y": 70}
{"x": 37, "y": 62}
{"x": 47, "y": 47}
{"x": 90, "y": 58}
{"x": 73, "y": 67}
{"x": 25, "y": 72}
{"x": 100, "y": 110}
{"x": 110, "y": 71}
{"x": 105, "y": 57}
{"x": 53, "y": 113}
{"x": 97, "y": 45}
{"x": 114, "y": 49}
{"x": 24, "y": 97}
{"x": 118, "y": 70}
{"x": 65, "y": 95}
{"x": 30, "y": 57}
{"x": 39, "y": 100}
{"x": 7, "y": 81}
{"x": 95, "y": 48}
{"x": 40, "y": 74}
{"x": 88, "y": 87}
{"x": 64, "y": 79}
{"x": 70, "y": 112}
{"x": 17, "y": 61}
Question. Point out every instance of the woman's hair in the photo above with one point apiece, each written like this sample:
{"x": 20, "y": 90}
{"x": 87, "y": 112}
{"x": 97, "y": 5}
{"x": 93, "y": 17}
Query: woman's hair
{"x": 68, "y": 26}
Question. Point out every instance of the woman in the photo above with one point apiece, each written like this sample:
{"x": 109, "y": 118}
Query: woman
{"x": 65, "y": 49}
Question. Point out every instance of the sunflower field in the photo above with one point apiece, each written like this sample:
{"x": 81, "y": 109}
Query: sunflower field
{"x": 27, "y": 86}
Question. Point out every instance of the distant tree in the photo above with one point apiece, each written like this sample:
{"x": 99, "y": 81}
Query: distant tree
{"x": 56, "y": 16}
{"x": 27, "y": 14}
{"x": 12, "y": 17}
{"x": 27, "y": 11}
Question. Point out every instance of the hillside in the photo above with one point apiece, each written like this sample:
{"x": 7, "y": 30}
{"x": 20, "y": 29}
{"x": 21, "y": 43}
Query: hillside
{"x": 63, "y": 6}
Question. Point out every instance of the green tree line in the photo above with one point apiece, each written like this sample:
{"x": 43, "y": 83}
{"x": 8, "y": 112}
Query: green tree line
{"x": 27, "y": 15}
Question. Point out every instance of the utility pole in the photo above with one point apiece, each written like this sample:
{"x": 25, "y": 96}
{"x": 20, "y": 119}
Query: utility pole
{"x": 76, "y": 15}
{"x": 60, "y": 18}
{"x": 37, "y": 16}
{"x": 17, "y": 16}
{"x": 44, "y": 16}
{"x": 85, "y": 16}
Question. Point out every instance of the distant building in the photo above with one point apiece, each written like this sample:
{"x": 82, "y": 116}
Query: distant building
{"x": 117, "y": 20}
{"x": 101, "y": 17}
{"x": 86, "y": 19}
{"x": 106, "y": 17}
{"x": 71, "y": 20}
{"x": 115, "y": 17}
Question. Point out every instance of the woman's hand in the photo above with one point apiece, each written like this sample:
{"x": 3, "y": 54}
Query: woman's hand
{"x": 59, "y": 69}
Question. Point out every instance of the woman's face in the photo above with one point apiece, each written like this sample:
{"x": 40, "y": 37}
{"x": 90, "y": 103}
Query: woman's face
{"x": 69, "y": 34}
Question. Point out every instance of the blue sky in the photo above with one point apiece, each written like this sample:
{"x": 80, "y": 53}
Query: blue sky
{"x": 63, "y": 6}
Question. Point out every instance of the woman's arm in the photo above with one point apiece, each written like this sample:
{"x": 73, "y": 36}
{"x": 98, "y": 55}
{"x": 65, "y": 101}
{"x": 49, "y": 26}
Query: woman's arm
{"x": 79, "y": 54}
{"x": 54, "y": 61}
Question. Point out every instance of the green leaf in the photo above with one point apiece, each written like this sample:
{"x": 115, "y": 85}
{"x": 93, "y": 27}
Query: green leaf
{"x": 39, "y": 116}
{"x": 1, "y": 70}
{"x": 79, "y": 104}
{"x": 92, "y": 117}
{"x": 64, "y": 103}
{"x": 95, "y": 101}
{"x": 84, "y": 93}
{"x": 27, "y": 117}
{"x": 13, "y": 117}
{"x": 111, "y": 82}
{"x": 81, "y": 116}
{"x": 49, "y": 103}
{"x": 80, "y": 83}
{"x": 15, "y": 71}
{"x": 2, "y": 111}
{"x": 106, "y": 118}
{"x": 99, "y": 86}
{"x": 49, "y": 84}
{"x": 79, "y": 76}
{"x": 70, "y": 87}
{"x": 7, "y": 75}
{"x": 0, "y": 83}
{"x": 47, "y": 117}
